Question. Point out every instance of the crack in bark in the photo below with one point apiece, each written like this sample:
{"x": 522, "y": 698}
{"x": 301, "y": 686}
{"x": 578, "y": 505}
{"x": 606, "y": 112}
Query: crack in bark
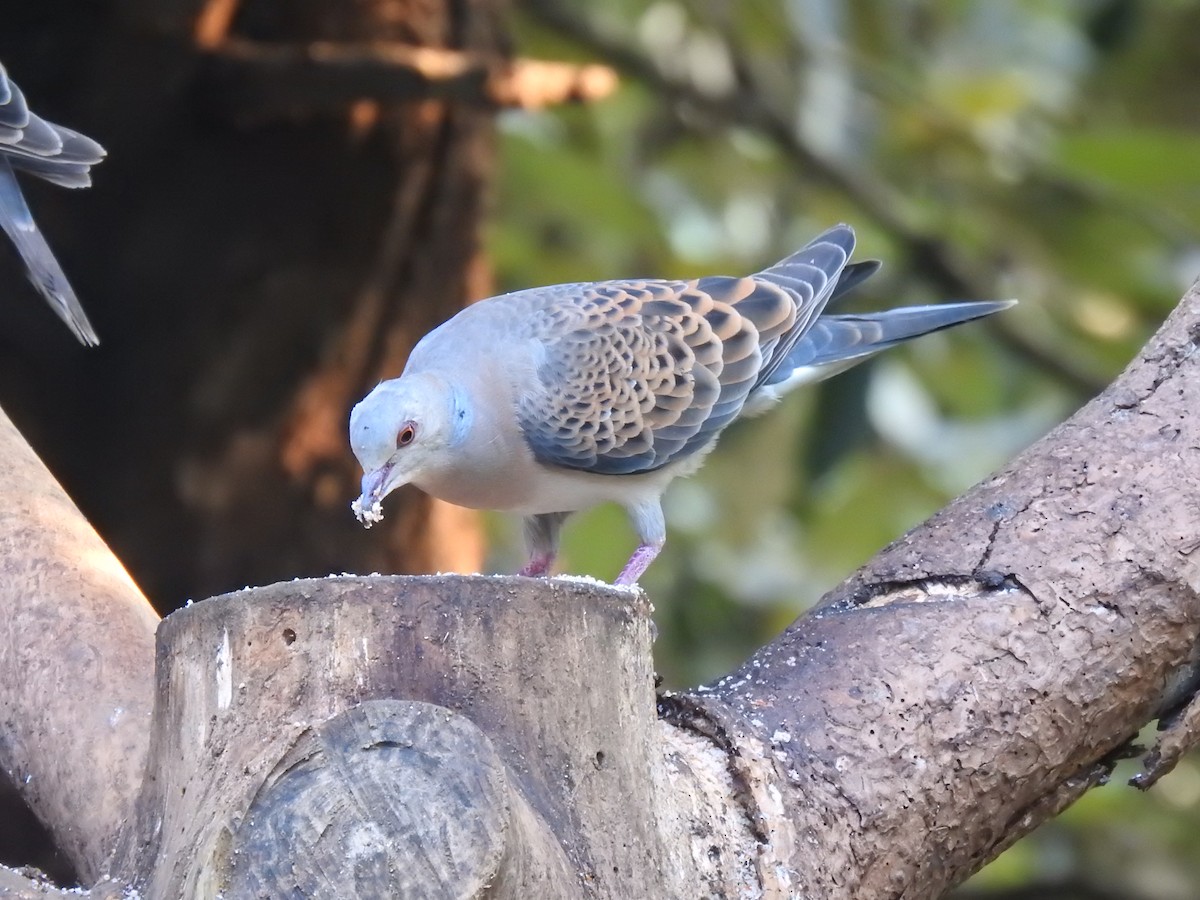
{"x": 934, "y": 589}
{"x": 685, "y": 713}
{"x": 1003, "y": 517}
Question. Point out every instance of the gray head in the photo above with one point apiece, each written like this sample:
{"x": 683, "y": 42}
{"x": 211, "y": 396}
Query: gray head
{"x": 401, "y": 430}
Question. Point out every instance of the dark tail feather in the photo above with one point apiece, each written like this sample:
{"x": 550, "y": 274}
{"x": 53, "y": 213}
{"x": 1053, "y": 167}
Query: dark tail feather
{"x": 835, "y": 343}
{"x": 852, "y": 276}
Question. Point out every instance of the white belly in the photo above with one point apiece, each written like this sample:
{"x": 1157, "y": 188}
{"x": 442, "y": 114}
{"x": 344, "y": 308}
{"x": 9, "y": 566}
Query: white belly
{"x": 559, "y": 490}
{"x": 525, "y": 486}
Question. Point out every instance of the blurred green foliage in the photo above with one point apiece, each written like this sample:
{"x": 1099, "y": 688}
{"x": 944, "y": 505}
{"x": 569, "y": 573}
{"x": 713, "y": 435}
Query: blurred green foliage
{"x": 1042, "y": 150}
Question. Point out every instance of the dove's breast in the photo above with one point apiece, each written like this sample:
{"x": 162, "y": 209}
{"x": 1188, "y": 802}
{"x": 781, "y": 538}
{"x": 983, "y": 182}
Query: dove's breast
{"x": 495, "y": 469}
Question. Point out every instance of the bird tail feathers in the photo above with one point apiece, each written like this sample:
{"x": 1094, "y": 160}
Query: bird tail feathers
{"x": 838, "y": 342}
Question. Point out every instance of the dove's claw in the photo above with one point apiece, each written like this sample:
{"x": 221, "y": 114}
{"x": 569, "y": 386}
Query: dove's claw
{"x": 538, "y": 566}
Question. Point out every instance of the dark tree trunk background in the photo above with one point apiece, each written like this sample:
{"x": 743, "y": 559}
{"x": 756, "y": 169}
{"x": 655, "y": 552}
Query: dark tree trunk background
{"x": 251, "y": 270}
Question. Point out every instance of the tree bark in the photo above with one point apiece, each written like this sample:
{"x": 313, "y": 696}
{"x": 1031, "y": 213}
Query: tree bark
{"x": 281, "y": 761}
{"x": 986, "y": 669}
{"x": 76, "y": 663}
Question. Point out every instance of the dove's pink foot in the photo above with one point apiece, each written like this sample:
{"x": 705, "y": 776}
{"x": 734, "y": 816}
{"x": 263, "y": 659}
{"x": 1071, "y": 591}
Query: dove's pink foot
{"x": 538, "y": 566}
{"x": 638, "y": 563}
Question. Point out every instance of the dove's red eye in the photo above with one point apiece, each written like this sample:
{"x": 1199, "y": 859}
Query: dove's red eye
{"x": 406, "y": 435}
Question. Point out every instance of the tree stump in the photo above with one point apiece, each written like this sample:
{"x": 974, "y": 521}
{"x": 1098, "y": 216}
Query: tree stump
{"x": 282, "y": 758}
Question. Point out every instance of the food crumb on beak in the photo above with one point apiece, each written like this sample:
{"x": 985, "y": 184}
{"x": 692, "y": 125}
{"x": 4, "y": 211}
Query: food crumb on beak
{"x": 367, "y": 515}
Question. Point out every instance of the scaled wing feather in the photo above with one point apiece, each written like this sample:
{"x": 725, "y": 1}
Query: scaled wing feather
{"x": 640, "y": 374}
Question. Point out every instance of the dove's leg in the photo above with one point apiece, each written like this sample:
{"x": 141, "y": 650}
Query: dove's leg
{"x": 652, "y": 529}
{"x": 41, "y": 266}
{"x": 541, "y": 540}
{"x": 638, "y": 563}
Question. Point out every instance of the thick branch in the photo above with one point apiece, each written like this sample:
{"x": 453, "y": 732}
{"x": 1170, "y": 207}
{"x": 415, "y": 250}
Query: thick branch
{"x": 984, "y": 670}
{"x": 76, "y": 663}
{"x": 258, "y": 81}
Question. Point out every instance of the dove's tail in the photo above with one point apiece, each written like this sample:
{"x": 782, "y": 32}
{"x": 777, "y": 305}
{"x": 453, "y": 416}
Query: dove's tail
{"x": 835, "y": 343}
{"x": 40, "y": 265}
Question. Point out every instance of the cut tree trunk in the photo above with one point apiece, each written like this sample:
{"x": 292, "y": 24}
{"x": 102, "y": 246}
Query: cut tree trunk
{"x": 526, "y": 721}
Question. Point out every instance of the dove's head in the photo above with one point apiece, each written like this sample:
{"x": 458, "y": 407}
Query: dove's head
{"x": 404, "y": 429}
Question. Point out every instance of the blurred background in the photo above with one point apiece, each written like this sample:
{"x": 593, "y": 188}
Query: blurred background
{"x": 270, "y": 236}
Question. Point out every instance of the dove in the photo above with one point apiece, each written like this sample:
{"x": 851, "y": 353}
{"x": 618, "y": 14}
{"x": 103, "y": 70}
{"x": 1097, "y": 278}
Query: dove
{"x": 29, "y": 143}
{"x": 551, "y": 400}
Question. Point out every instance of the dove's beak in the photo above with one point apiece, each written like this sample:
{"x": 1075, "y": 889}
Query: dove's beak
{"x": 374, "y": 484}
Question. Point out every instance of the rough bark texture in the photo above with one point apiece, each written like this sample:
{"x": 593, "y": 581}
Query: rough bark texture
{"x": 985, "y": 670}
{"x": 275, "y": 738}
{"x": 76, "y": 663}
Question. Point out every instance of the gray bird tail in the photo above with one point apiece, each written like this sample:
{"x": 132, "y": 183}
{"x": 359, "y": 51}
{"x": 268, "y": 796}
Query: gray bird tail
{"x": 40, "y": 265}
{"x": 836, "y": 343}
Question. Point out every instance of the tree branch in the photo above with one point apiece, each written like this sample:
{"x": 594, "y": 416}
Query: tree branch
{"x": 76, "y": 663}
{"x": 257, "y": 81}
{"x": 983, "y": 671}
